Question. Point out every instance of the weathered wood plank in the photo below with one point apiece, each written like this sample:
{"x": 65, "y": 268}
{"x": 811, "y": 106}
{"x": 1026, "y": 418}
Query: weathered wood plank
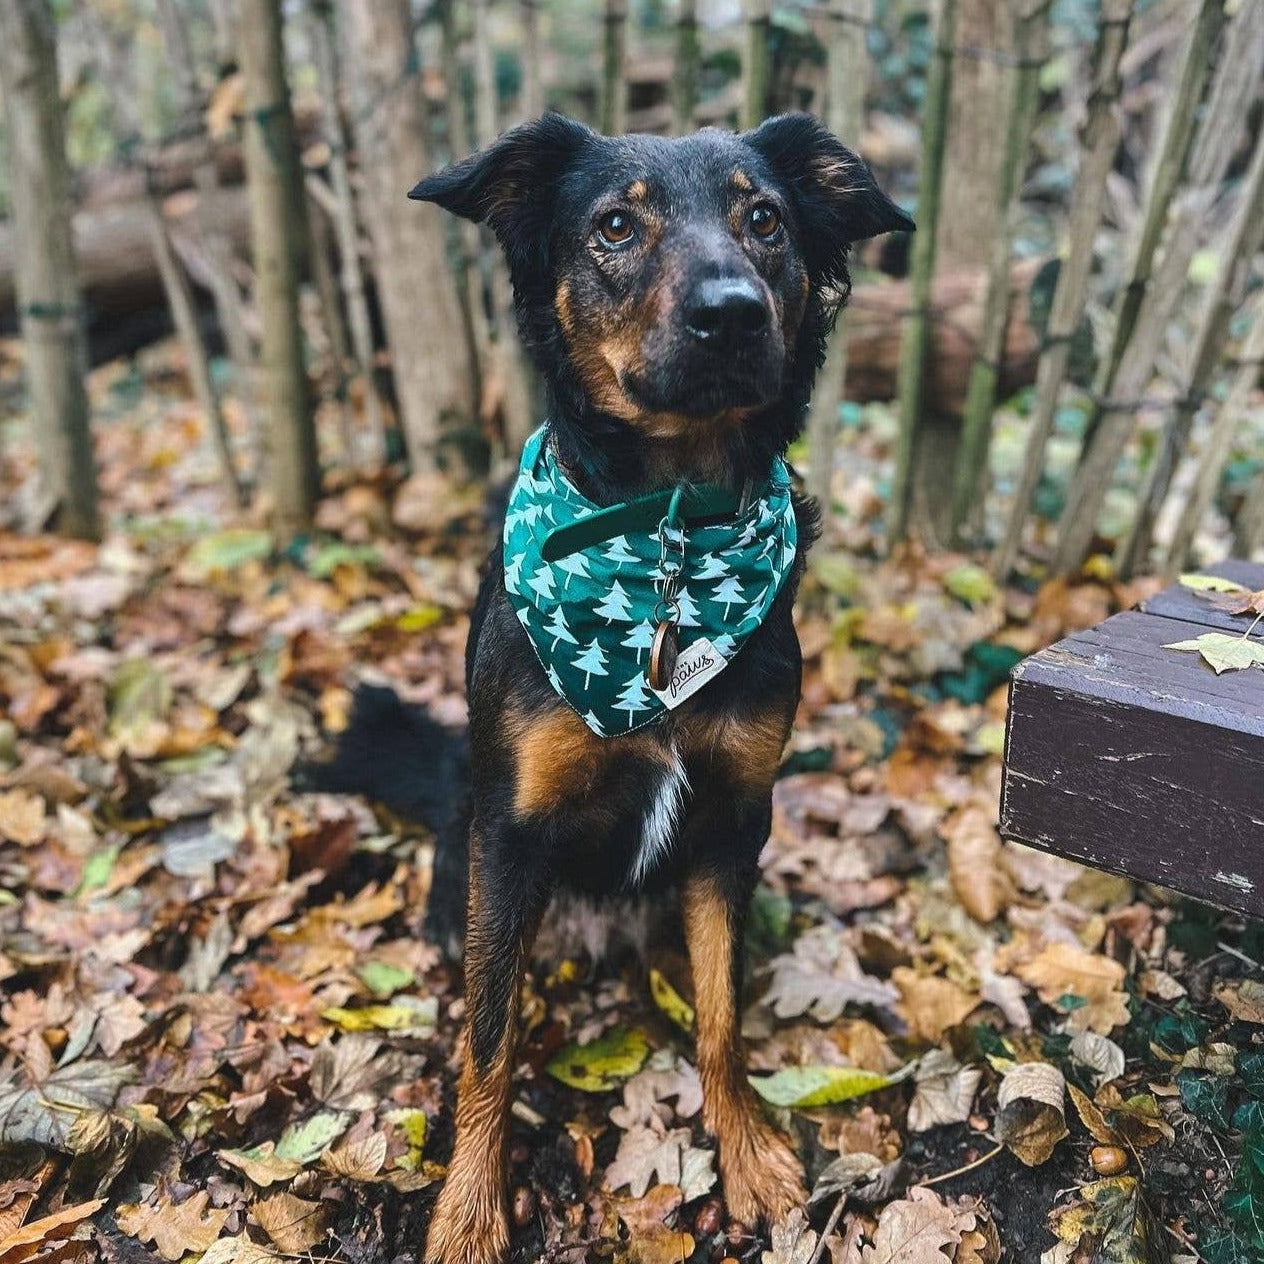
{"x": 1179, "y": 602}
{"x": 1141, "y": 760}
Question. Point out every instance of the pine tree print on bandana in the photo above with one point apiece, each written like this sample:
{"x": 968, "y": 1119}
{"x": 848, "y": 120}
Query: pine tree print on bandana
{"x": 590, "y": 614}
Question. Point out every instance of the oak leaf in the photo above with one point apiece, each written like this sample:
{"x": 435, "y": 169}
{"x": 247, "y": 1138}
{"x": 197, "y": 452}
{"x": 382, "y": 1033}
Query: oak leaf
{"x": 175, "y": 1229}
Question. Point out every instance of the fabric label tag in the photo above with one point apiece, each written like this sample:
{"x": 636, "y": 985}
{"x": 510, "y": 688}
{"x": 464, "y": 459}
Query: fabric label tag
{"x": 695, "y": 666}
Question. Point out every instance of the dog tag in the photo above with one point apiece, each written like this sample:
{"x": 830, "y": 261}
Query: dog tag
{"x": 663, "y": 655}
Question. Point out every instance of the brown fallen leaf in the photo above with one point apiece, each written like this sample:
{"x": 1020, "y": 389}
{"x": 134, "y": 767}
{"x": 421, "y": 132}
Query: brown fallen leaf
{"x": 792, "y": 1241}
{"x": 175, "y": 1229}
{"x": 24, "y": 1242}
{"x": 294, "y": 1224}
{"x": 1087, "y": 985}
{"x": 1244, "y": 1001}
{"x": 23, "y": 819}
{"x": 974, "y": 863}
{"x": 931, "y": 1004}
{"x": 1030, "y": 1116}
{"x": 358, "y": 1160}
{"x": 944, "y": 1093}
{"x": 914, "y": 1230}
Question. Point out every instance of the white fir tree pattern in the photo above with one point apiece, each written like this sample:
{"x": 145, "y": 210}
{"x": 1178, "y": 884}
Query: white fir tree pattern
{"x": 542, "y": 581}
{"x": 618, "y": 552}
{"x": 756, "y": 607}
{"x": 641, "y": 638}
{"x": 594, "y": 724}
{"x": 592, "y": 662}
{"x": 572, "y": 564}
{"x": 557, "y": 629}
{"x": 635, "y": 697}
{"x": 726, "y": 592}
{"x": 615, "y": 605}
{"x": 713, "y": 567}
{"x": 513, "y": 575}
{"x": 688, "y": 609}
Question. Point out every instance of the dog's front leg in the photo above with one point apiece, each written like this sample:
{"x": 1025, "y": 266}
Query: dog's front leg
{"x": 761, "y": 1174}
{"x": 470, "y": 1225}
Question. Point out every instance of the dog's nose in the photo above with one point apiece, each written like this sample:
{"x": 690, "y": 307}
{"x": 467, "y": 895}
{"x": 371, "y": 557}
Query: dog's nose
{"x": 726, "y": 311}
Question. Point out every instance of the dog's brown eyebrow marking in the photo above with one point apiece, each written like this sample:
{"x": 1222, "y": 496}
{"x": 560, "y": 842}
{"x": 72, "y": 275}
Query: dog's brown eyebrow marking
{"x": 637, "y": 191}
{"x": 741, "y": 181}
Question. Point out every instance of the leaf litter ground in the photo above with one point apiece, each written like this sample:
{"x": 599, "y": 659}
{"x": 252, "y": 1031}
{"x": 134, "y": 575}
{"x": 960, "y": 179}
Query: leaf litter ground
{"x": 226, "y": 1038}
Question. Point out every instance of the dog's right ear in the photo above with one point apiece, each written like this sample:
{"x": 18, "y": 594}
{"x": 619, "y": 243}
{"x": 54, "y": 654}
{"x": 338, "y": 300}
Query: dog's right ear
{"x": 507, "y": 184}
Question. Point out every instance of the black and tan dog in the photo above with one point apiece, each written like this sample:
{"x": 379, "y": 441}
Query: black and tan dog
{"x": 676, "y": 295}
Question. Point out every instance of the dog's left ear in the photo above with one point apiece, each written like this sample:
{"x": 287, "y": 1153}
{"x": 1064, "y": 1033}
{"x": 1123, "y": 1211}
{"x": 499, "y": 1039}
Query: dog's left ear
{"x": 834, "y": 191}
{"x": 509, "y": 184}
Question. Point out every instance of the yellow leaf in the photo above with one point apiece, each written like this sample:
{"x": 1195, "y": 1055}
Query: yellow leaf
{"x": 603, "y": 1064}
{"x": 671, "y": 1002}
{"x": 175, "y": 1229}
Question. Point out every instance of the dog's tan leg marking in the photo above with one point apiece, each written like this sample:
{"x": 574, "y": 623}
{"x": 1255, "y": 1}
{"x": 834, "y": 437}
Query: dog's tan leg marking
{"x": 761, "y": 1175}
{"x": 470, "y": 1224}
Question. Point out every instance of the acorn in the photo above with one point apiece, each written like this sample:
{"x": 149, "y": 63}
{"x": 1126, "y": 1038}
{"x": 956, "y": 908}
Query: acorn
{"x": 708, "y": 1220}
{"x": 523, "y": 1206}
{"x": 1108, "y": 1160}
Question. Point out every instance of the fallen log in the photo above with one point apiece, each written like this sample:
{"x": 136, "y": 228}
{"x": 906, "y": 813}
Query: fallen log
{"x": 113, "y": 244}
{"x": 873, "y": 337}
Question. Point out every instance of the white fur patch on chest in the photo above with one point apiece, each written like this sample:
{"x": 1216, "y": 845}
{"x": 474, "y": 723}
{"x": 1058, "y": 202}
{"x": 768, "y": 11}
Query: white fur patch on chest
{"x": 658, "y": 832}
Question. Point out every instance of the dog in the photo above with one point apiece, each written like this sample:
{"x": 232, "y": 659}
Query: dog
{"x": 676, "y": 296}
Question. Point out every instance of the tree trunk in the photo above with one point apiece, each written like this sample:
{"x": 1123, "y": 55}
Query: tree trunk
{"x": 756, "y": 61}
{"x": 968, "y": 223}
{"x": 847, "y": 72}
{"x": 1237, "y": 79}
{"x": 614, "y": 78}
{"x": 430, "y": 357}
{"x": 1224, "y": 429}
{"x": 1246, "y": 235}
{"x": 685, "y": 83}
{"x": 345, "y": 226}
{"x": 916, "y": 332}
{"x": 47, "y": 281}
{"x": 277, "y": 219}
{"x": 970, "y": 482}
{"x": 184, "y": 316}
{"x": 1100, "y": 142}
{"x": 532, "y": 103}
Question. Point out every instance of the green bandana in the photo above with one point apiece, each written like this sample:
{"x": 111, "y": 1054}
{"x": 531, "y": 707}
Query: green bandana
{"x": 589, "y": 598}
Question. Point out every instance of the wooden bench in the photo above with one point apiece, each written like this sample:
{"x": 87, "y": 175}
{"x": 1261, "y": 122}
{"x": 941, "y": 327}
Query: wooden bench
{"x": 1141, "y": 760}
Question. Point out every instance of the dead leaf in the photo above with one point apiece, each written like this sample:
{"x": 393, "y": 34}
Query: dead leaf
{"x": 647, "y": 1152}
{"x": 792, "y": 1241}
{"x": 23, "y": 819}
{"x": 974, "y": 853}
{"x": 944, "y": 1093}
{"x": 1030, "y": 1116}
{"x": 931, "y": 1004}
{"x": 1087, "y": 986}
{"x": 175, "y": 1229}
{"x": 24, "y": 1242}
{"x": 914, "y": 1230}
{"x": 294, "y": 1224}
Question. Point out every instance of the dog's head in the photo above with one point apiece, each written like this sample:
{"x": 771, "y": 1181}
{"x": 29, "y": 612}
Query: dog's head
{"x": 674, "y": 285}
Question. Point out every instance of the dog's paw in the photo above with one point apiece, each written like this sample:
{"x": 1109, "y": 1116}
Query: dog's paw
{"x": 467, "y": 1227}
{"x": 761, "y": 1176}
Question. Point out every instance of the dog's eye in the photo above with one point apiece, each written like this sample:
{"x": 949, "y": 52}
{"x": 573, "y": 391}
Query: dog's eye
{"x": 765, "y": 221}
{"x": 615, "y": 228}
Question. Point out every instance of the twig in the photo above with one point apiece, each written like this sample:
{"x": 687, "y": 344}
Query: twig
{"x": 961, "y": 1171}
{"x": 835, "y": 1216}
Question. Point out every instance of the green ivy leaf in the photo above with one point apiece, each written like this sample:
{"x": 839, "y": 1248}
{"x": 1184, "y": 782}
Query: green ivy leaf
{"x": 1206, "y": 1098}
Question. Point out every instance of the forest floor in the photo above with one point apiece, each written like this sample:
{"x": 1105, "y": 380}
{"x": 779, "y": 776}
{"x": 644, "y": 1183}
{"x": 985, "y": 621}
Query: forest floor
{"x": 226, "y": 1037}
